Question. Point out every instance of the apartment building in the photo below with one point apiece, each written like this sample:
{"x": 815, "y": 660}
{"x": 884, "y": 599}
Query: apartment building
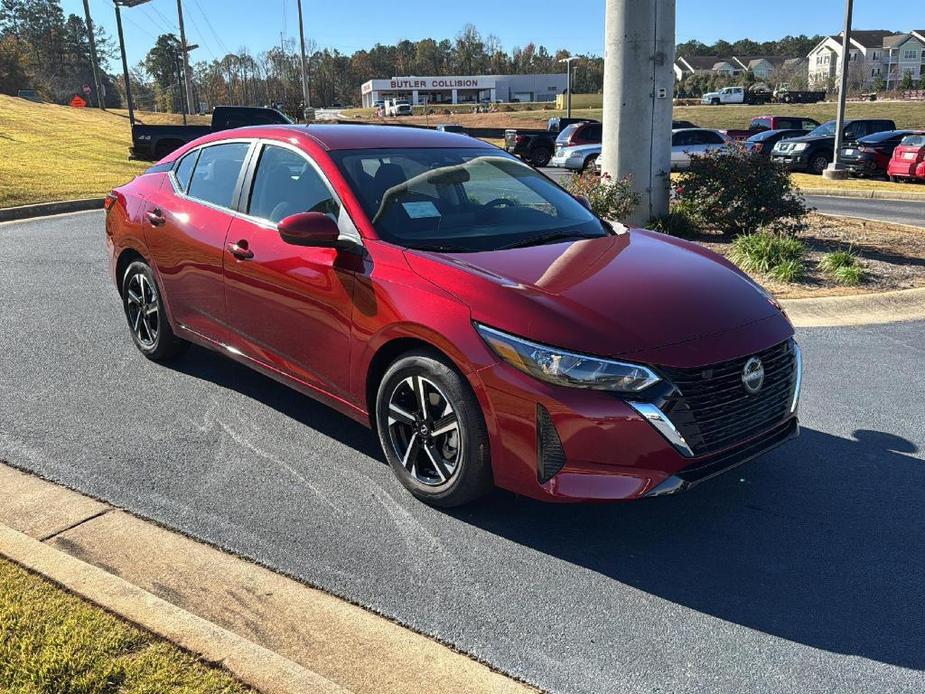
{"x": 873, "y": 54}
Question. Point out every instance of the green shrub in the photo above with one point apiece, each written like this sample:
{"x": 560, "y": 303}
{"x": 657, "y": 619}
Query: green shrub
{"x": 788, "y": 271}
{"x": 737, "y": 192}
{"x": 769, "y": 253}
{"x": 679, "y": 221}
{"x": 849, "y": 275}
{"x": 610, "y": 198}
{"x": 843, "y": 266}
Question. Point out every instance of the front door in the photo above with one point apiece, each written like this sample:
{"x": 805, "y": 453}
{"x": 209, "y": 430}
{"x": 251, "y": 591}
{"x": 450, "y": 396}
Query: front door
{"x": 290, "y": 306}
{"x": 188, "y": 220}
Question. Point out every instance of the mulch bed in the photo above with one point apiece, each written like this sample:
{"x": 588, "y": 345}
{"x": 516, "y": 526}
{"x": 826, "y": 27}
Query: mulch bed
{"x": 893, "y": 256}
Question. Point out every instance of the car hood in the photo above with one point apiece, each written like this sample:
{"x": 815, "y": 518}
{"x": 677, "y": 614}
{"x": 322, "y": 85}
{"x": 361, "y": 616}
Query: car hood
{"x": 616, "y": 296}
{"x": 709, "y": 95}
{"x": 811, "y": 138}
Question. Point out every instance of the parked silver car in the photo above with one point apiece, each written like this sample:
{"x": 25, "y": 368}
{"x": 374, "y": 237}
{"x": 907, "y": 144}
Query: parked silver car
{"x": 576, "y": 157}
{"x": 688, "y": 141}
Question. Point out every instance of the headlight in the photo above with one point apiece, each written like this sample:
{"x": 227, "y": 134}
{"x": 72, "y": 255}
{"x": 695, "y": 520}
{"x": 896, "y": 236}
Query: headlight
{"x": 799, "y": 146}
{"x": 567, "y": 368}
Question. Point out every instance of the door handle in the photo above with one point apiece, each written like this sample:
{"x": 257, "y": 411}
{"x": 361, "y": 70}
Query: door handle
{"x": 240, "y": 250}
{"x": 156, "y": 217}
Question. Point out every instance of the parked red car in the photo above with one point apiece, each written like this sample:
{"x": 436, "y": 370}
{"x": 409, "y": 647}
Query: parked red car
{"x": 481, "y": 319}
{"x": 908, "y": 160}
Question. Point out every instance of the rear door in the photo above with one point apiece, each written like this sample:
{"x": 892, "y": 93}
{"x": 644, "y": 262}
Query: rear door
{"x": 290, "y": 307}
{"x": 187, "y": 223}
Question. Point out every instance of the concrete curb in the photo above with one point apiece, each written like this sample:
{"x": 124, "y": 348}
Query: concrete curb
{"x": 272, "y": 632}
{"x": 857, "y": 309}
{"x": 252, "y": 664}
{"x": 44, "y": 209}
{"x": 864, "y": 194}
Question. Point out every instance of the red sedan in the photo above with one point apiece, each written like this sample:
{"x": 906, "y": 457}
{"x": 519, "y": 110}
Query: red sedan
{"x": 481, "y": 319}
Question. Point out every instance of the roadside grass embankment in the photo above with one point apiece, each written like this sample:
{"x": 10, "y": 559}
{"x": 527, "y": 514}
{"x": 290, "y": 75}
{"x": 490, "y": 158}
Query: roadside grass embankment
{"x": 52, "y": 641}
{"x": 50, "y": 152}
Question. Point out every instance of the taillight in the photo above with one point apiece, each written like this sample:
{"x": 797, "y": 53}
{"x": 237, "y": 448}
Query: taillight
{"x": 867, "y": 149}
{"x": 109, "y": 201}
{"x": 758, "y": 146}
{"x": 519, "y": 139}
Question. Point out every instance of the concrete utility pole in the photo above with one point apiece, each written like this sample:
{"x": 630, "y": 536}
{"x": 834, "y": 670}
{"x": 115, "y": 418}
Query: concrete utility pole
{"x": 306, "y": 104}
{"x": 93, "y": 59}
{"x": 836, "y": 170}
{"x": 187, "y": 75}
{"x": 638, "y": 89}
{"x": 568, "y": 66}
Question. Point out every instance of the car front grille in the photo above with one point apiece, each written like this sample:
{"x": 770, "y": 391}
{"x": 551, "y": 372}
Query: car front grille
{"x": 712, "y": 409}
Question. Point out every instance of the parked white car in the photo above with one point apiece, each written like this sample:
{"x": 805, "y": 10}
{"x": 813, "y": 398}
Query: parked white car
{"x": 576, "y": 157}
{"x": 688, "y": 141}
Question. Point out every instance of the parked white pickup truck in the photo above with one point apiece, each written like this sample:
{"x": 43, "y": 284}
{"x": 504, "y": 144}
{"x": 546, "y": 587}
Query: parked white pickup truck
{"x": 736, "y": 95}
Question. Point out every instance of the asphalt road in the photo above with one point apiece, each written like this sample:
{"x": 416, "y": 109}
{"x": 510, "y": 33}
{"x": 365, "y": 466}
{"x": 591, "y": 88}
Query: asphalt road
{"x": 801, "y": 572}
{"x": 897, "y": 211}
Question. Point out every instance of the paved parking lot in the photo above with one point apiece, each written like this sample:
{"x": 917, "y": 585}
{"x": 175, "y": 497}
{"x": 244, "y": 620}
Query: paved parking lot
{"x": 802, "y": 572}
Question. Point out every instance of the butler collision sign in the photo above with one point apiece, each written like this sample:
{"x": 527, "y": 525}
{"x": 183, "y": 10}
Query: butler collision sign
{"x": 464, "y": 88}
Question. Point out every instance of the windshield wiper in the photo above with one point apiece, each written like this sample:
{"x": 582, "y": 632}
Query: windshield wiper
{"x": 548, "y": 238}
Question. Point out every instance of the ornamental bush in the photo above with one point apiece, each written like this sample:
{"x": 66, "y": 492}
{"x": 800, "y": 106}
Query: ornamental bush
{"x": 735, "y": 192}
{"x": 611, "y": 198}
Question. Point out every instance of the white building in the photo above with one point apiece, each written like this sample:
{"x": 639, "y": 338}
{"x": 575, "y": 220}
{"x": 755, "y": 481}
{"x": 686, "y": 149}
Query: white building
{"x": 873, "y": 55}
{"x": 463, "y": 90}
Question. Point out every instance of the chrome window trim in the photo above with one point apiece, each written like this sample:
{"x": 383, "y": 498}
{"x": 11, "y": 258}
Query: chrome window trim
{"x": 659, "y": 420}
{"x": 351, "y": 232}
{"x": 231, "y": 141}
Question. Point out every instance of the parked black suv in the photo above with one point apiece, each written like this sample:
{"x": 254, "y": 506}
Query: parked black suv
{"x": 813, "y": 152}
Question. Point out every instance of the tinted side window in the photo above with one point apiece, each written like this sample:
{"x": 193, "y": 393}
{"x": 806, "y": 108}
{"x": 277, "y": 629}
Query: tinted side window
{"x": 285, "y": 183}
{"x": 216, "y": 173}
{"x": 593, "y": 133}
{"x": 184, "y": 170}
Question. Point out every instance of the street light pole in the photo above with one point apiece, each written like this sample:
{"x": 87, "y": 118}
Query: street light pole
{"x": 306, "y": 106}
{"x": 128, "y": 81}
{"x": 93, "y": 59}
{"x": 836, "y": 170}
{"x": 568, "y": 98}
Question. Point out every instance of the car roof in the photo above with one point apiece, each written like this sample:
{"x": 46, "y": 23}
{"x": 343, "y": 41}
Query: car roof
{"x": 335, "y": 136}
{"x": 683, "y": 130}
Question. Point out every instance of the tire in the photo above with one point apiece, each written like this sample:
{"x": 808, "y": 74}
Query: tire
{"x": 715, "y": 102}
{"x": 450, "y": 468}
{"x": 589, "y": 163}
{"x": 788, "y": 99}
{"x": 540, "y": 157}
{"x": 818, "y": 163}
{"x": 147, "y": 320}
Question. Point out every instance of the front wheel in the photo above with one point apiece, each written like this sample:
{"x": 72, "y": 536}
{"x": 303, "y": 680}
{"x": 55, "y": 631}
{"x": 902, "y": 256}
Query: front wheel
{"x": 432, "y": 431}
{"x": 144, "y": 310}
{"x": 818, "y": 163}
{"x": 540, "y": 157}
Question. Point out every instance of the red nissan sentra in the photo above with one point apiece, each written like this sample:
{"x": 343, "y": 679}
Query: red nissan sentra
{"x": 486, "y": 324}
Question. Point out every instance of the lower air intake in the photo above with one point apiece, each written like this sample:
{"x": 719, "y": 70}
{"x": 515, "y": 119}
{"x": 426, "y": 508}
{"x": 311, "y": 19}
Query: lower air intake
{"x": 549, "y": 453}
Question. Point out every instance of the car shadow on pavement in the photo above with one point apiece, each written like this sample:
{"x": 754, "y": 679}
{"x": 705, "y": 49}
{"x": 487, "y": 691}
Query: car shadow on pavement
{"x": 227, "y": 373}
{"x": 821, "y": 542}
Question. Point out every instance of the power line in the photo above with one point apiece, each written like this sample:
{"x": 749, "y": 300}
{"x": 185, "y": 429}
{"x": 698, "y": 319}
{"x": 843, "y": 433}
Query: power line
{"x": 202, "y": 36}
{"x": 218, "y": 40}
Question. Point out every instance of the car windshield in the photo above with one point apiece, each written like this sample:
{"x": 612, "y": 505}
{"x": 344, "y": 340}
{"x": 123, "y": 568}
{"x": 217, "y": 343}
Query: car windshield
{"x": 827, "y": 129}
{"x": 462, "y": 199}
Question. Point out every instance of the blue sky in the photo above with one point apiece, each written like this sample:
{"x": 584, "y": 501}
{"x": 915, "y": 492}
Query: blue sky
{"x": 349, "y": 25}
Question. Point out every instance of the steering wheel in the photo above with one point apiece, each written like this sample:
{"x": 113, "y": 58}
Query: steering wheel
{"x": 500, "y": 202}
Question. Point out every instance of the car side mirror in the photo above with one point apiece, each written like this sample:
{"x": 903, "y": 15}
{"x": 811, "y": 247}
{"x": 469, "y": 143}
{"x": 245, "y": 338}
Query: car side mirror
{"x": 584, "y": 202}
{"x": 309, "y": 229}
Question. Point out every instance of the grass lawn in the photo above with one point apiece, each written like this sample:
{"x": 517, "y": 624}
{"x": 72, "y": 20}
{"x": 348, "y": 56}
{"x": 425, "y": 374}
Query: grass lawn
{"x": 50, "y": 152}
{"x": 52, "y": 642}
{"x": 802, "y": 180}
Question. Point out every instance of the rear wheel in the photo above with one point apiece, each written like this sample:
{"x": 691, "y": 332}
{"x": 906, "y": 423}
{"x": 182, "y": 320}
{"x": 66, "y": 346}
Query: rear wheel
{"x": 144, "y": 310}
{"x": 432, "y": 431}
{"x": 540, "y": 156}
{"x": 818, "y": 163}
{"x": 589, "y": 162}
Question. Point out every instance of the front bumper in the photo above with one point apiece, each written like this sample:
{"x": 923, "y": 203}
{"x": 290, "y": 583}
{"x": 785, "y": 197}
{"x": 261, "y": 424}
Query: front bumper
{"x": 792, "y": 162}
{"x": 604, "y": 447}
